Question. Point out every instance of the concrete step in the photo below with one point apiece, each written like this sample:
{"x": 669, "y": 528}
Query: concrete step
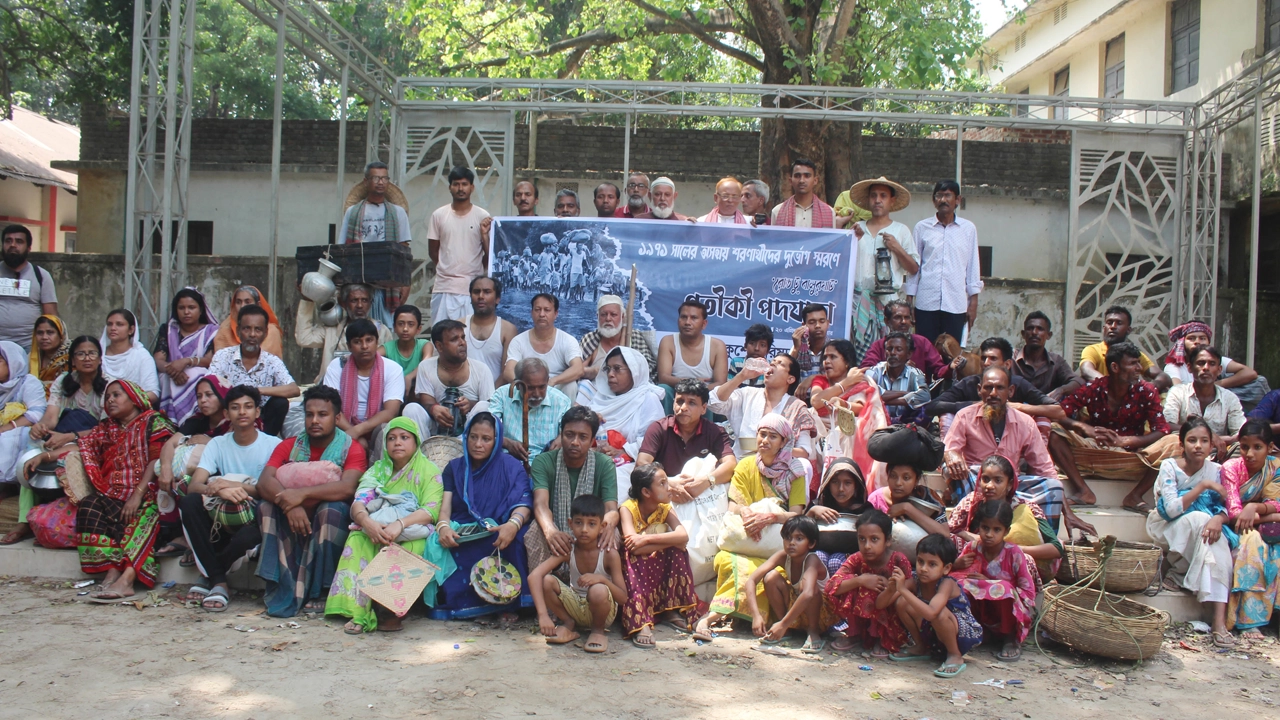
{"x": 1113, "y": 520}
{"x": 26, "y": 559}
{"x": 1112, "y": 492}
{"x": 1182, "y": 606}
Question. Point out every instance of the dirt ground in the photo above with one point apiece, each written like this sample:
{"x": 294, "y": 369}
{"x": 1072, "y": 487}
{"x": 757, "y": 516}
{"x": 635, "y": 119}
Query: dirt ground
{"x": 67, "y": 658}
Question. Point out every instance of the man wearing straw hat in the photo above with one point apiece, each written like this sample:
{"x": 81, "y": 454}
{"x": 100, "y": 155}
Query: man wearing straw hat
{"x": 881, "y": 196}
{"x": 376, "y": 217}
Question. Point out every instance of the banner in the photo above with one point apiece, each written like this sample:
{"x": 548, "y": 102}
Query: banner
{"x": 743, "y": 275}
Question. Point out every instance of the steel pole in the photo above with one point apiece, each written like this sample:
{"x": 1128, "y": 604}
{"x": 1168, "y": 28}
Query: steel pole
{"x": 276, "y": 127}
{"x": 960, "y": 156}
{"x": 342, "y": 144}
{"x": 1255, "y": 222}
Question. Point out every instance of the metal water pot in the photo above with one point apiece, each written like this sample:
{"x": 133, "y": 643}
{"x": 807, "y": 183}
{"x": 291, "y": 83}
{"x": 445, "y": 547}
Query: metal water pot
{"x": 318, "y": 286}
{"x": 330, "y": 313}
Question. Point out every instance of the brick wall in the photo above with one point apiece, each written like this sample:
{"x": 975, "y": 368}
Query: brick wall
{"x": 580, "y": 151}
{"x": 998, "y": 134}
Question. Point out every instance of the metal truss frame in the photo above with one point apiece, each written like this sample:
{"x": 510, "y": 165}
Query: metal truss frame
{"x": 157, "y": 183}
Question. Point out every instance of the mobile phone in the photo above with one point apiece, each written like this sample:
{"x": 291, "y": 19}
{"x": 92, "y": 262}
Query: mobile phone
{"x": 761, "y": 218}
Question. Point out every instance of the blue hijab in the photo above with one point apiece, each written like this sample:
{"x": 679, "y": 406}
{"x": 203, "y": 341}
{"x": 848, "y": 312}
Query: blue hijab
{"x": 496, "y": 488}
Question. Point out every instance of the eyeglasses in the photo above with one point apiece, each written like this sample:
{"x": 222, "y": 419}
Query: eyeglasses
{"x": 82, "y": 355}
{"x": 636, "y": 186}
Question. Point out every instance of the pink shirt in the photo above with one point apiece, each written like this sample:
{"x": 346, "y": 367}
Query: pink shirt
{"x": 971, "y": 436}
{"x": 1234, "y": 474}
{"x": 461, "y": 248}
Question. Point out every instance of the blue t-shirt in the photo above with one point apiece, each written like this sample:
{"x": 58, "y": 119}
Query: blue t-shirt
{"x": 1268, "y": 408}
{"x": 223, "y": 456}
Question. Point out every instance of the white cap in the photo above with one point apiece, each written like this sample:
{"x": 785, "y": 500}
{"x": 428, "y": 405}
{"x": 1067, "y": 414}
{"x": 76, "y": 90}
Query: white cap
{"x": 664, "y": 180}
{"x": 609, "y": 300}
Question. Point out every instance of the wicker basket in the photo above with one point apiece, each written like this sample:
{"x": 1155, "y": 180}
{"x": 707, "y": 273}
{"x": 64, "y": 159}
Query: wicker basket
{"x": 1118, "y": 628}
{"x": 1133, "y": 567}
{"x": 440, "y": 450}
{"x": 8, "y": 514}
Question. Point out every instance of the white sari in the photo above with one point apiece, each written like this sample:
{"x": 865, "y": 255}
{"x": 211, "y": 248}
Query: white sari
{"x": 134, "y": 364}
{"x": 629, "y": 414}
{"x": 1200, "y": 567}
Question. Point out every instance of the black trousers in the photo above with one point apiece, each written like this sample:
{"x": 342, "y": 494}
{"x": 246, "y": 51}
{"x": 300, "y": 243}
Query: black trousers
{"x": 213, "y": 557}
{"x": 932, "y": 323}
{"x": 273, "y": 413}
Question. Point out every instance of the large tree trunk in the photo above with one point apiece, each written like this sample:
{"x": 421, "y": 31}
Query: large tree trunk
{"x": 835, "y": 147}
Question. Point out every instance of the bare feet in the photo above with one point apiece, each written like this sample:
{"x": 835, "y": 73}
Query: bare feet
{"x": 1251, "y": 634}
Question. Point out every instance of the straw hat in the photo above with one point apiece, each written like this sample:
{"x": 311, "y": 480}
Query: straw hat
{"x": 858, "y": 193}
{"x": 361, "y": 190}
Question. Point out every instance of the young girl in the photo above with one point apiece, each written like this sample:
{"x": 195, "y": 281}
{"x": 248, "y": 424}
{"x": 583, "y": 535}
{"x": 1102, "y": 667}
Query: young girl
{"x": 1030, "y": 531}
{"x": 855, "y": 590}
{"x": 794, "y": 578}
{"x": 911, "y": 522}
{"x": 843, "y": 492}
{"x": 934, "y": 608}
{"x": 1252, "y": 482}
{"x": 999, "y": 578}
{"x": 659, "y": 580}
{"x": 1188, "y": 522}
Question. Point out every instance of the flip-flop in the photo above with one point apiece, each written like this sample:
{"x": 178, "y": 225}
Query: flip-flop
{"x": 1229, "y": 642}
{"x": 596, "y": 647}
{"x": 943, "y": 672}
{"x": 810, "y": 649}
{"x": 100, "y": 600}
{"x": 902, "y": 656}
{"x": 849, "y": 646}
{"x": 767, "y": 641}
{"x": 1017, "y": 654}
{"x": 216, "y": 596}
{"x": 1081, "y": 504}
{"x": 188, "y": 559}
{"x": 352, "y": 629}
{"x": 704, "y": 637}
{"x": 171, "y": 550}
{"x": 1141, "y": 508}
{"x": 635, "y": 640}
{"x": 677, "y": 623}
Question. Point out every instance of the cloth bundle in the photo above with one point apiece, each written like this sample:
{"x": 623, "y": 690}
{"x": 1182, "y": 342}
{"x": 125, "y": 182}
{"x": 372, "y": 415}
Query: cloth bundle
{"x": 390, "y": 507}
{"x": 906, "y": 445}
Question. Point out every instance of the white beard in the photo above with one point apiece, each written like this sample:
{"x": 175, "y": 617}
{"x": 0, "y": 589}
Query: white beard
{"x": 663, "y": 213}
{"x": 608, "y": 332}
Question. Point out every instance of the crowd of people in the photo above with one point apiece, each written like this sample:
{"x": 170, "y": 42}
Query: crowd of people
{"x": 594, "y": 466}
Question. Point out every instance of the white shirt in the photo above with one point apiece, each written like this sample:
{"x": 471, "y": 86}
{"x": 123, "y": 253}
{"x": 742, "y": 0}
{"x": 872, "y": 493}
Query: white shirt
{"x": 479, "y": 384}
{"x": 1182, "y": 373}
{"x": 562, "y": 352}
{"x": 949, "y": 269}
{"x": 461, "y": 248}
{"x": 804, "y": 215}
{"x": 865, "y": 272}
{"x": 1224, "y": 415}
{"x": 373, "y": 226}
{"x": 392, "y": 383}
{"x": 744, "y": 408}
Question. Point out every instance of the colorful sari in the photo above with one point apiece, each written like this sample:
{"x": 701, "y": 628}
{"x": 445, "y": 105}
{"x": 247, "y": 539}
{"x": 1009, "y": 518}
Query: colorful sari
{"x": 115, "y": 458}
{"x": 1255, "y": 574}
{"x": 60, "y": 360}
{"x": 732, "y": 570}
{"x": 1030, "y": 527}
{"x": 229, "y": 336}
{"x": 872, "y": 418}
{"x": 858, "y": 606}
{"x": 421, "y": 478}
{"x": 1003, "y": 590}
{"x": 658, "y": 582}
{"x": 494, "y": 490}
{"x": 179, "y": 401}
{"x": 298, "y": 569}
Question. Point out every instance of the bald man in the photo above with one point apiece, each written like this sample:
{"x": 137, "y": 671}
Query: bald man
{"x": 728, "y": 197}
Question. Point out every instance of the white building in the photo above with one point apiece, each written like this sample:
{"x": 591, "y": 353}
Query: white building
{"x": 1137, "y": 49}
{"x": 31, "y": 192}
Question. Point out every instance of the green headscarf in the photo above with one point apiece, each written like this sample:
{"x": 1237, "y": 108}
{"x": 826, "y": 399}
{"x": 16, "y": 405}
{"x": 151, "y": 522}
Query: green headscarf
{"x": 419, "y": 476}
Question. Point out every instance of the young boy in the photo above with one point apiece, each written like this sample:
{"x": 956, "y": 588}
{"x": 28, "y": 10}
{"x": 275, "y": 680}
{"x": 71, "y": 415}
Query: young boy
{"x": 793, "y": 583}
{"x": 407, "y": 350}
{"x": 858, "y": 587}
{"x": 934, "y": 608}
{"x": 757, "y": 341}
{"x": 590, "y": 598}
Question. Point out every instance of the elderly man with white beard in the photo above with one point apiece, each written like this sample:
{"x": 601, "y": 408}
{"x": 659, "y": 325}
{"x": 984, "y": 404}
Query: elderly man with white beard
{"x": 597, "y": 344}
{"x": 662, "y": 202}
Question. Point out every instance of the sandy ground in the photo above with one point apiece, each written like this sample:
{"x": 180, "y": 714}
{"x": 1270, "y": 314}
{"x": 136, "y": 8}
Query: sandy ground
{"x": 66, "y": 658}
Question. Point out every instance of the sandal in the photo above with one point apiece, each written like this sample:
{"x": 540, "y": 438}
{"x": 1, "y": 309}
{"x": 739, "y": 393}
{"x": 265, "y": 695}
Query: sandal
{"x": 950, "y": 670}
{"x": 1142, "y": 508}
{"x": 196, "y": 593}
{"x": 1224, "y": 639}
{"x": 351, "y": 628}
{"x": 216, "y": 602}
{"x": 1006, "y": 656}
{"x": 596, "y": 646}
{"x": 171, "y": 549}
{"x": 845, "y": 644}
{"x": 809, "y": 648}
{"x": 644, "y": 642}
{"x": 904, "y": 656}
{"x": 187, "y": 560}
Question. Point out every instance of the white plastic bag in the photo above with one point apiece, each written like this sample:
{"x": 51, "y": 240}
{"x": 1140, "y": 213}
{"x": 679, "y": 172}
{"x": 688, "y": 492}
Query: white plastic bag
{"x": 734, "y": 537}
{"x": 701, "y": 518}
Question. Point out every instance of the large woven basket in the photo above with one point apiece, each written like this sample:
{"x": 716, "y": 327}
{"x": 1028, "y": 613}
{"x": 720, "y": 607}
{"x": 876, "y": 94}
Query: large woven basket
{"x": 1133, "y": 567}
{"x": 440, "y": 450}
{"x": 8, "y": 514}
{"x": 1101, "y": 623}
{"x": 360, "y": 191}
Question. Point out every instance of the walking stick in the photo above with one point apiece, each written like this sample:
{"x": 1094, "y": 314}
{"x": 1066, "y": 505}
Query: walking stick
{"x": 631, "y": 309}
{"x": 524, "y": 417}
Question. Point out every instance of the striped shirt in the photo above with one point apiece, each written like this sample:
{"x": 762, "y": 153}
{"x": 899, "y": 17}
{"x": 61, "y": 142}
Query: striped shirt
{"x": 949, "y": 270}
{"x": 912, "y": 381}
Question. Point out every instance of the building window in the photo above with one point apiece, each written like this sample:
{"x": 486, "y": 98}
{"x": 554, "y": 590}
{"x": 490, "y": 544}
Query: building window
{"x": 1020, "y": 41}
{"x": 1113, "y": 74}
{"x": 1059, "y": 13}
{"x": 1272, "y": 41}
{"x": 199, "y": 237}
{"x": 1184, "y": 37}
{"x": 1061, "y": 88}
{"x": 1022, "y": 109}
